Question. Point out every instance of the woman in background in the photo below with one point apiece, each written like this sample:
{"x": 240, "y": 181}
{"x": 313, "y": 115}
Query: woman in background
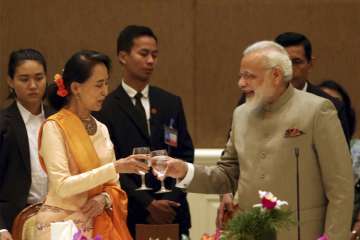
{"x": 22, "y": 180}
{"x": 77, "y": 154}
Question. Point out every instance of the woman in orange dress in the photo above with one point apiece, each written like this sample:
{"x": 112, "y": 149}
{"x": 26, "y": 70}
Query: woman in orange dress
{"x": 76, "y": 152}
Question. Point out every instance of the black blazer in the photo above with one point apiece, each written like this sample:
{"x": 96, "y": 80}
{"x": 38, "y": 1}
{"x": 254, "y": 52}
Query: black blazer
{"x": 337, "y": 103}
{"x": 15, "y": 170}
{"x": 126, "y": 132}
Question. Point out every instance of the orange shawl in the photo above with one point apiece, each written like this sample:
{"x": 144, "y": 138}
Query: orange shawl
{"x": 111, "y": 225}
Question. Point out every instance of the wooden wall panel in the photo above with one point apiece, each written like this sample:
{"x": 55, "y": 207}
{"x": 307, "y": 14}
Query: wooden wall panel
{"x": 201, "y": 42}
{"x": 59, "y": 28}
{"x": 225, "y": 28}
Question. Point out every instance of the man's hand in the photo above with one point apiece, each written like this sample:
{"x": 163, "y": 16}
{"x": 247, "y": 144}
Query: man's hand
{"x": 5, "y": 235}
{"x": 226, "y": 205}
{"x": 175, "y": 168}
{"x": 94, "y": 206}
{"x": 162, "y": 212}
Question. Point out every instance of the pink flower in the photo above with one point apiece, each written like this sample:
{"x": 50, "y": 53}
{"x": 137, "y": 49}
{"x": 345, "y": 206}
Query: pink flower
{"x": 323, "y": 237}
{"x": 79, "y": 236}
{"x": 268, "y": 203}
{"x": 218, "y": 234}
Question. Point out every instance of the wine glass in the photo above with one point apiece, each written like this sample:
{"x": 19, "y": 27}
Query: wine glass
{"x": 158, "y": 163}
{"x": 142, "y": 150}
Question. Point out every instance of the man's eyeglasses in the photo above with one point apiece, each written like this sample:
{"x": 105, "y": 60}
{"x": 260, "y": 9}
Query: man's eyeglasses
{"x": 246, "y": 75}
{"x": 298, "y": 61}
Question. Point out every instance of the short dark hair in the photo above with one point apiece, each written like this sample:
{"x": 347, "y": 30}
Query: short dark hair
{"x": 349, "y": 111}
{"x": 77, "y": 69}
{"x": 126, "y": 37}
{"x": 17, "y": 57}
{"x": 289, "y": 39}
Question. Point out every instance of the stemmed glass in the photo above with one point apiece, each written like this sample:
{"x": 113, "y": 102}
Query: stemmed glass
{"x": 158, "y": 163}
{"x": 142, "y": 150}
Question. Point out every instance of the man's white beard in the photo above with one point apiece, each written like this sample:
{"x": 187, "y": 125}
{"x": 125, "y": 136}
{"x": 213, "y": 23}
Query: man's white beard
{"x": 255, "y": 102}
{"x": 260, "y": 98}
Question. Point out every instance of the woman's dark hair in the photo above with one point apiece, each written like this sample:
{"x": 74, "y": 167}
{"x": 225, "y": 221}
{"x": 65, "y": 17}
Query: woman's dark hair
{"x": 17, "y": 57}
{"x": 77, "y": 69}
{"x": 349, "y": 111}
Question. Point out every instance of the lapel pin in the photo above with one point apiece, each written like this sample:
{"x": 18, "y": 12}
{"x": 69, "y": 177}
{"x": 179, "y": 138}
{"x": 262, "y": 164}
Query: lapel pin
{"x": 153, "y": 111}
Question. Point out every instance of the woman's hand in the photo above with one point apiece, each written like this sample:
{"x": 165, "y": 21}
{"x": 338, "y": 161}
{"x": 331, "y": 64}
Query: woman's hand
{"x": 132, "y": 164}
{"x": 94, "y": 206}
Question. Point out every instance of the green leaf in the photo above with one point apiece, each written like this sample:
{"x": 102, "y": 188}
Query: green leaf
{"x": 257, "y": 223}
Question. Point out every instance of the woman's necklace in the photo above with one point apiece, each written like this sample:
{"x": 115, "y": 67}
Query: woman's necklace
{"x": 90, "y": 125}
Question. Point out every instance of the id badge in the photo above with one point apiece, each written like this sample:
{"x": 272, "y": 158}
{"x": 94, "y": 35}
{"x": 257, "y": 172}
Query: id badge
{"x": 171, "y": 135}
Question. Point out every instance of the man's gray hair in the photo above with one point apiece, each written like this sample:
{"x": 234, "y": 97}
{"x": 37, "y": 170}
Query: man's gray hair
{"x": 274, "y": 55}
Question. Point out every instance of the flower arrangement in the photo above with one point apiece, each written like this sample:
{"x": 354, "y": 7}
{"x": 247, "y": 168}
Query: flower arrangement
{"x": 80, "y": 236}
{"x": 260, "y": 222}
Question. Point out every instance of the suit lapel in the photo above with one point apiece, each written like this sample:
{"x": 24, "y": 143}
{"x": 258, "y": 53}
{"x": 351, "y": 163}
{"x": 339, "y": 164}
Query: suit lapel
{"x": 156, "y": 126}
{"x": 18, "y": 125}
{"x": 310, "y": 88}
{"x": 128, "y": 107}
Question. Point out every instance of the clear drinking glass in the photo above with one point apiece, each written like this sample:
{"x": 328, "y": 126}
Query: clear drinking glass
{"x": 158, "y": 163}
{"x": 142, "y": 150}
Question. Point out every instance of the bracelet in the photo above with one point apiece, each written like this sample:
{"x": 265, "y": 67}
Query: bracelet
{"x": 107, "y": 200}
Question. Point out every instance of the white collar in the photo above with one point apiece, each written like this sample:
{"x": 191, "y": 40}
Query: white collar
{"x": 132, "y": 92}
{"x": 305, "y": 87}
{"x": 25, "y": 114}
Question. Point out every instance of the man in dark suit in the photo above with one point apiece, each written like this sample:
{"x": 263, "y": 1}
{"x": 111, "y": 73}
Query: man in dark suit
{"x": 137, "y": 115}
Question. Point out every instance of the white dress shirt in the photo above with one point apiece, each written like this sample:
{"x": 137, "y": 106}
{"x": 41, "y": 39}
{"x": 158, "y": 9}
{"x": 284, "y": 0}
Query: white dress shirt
{"x": 144, "y": 99}
{"x": 305, "y": 87}
{"x": 38, "y": 188}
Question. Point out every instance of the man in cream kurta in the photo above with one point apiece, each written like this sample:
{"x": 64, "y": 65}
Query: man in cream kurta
{"x": 260, "y": 154}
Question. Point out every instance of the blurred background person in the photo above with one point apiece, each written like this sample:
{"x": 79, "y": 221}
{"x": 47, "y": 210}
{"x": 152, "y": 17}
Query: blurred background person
{"x": 335, "y": 90}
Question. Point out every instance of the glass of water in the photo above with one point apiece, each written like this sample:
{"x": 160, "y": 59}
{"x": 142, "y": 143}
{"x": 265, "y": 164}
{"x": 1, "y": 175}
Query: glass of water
{"x": 142, "y": 150}
{"x": 158, "y": 163}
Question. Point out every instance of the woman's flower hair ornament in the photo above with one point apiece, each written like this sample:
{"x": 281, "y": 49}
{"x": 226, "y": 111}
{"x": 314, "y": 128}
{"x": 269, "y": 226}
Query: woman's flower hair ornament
{"x": 59, "y": 81}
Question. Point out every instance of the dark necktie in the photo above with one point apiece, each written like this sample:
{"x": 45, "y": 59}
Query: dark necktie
{"x": 140, "y": 109}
